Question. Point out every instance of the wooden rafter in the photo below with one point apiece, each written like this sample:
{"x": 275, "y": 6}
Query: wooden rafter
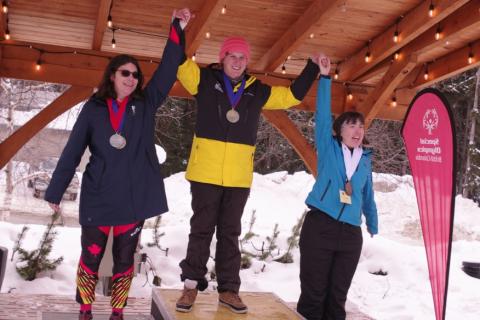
{"x": 318, "y": 12}
{"x": 410, "y": 27}
{"x": 101, "y": 23}
{"x": 447, "y": 66}
{"x": 287, "y": 128}
{"x": 10, "y": 146}
{"x": 381, "y": 94}
{"x": 200, "y": 24}
{"x": 3, "y": 25}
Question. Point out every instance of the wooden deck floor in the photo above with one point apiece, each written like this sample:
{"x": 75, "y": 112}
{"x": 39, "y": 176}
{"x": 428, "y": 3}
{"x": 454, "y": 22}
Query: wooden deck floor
{"x": 31, "y": 307}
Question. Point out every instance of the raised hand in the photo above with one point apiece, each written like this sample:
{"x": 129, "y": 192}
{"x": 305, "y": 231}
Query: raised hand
{"x": 184, "y": 15}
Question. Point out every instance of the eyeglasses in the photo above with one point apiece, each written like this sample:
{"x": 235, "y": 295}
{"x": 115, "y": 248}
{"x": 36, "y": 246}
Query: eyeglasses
{"x": 127, "y": 73}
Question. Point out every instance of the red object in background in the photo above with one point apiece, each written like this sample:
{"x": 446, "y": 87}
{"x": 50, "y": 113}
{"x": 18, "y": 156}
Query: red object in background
{"x": 429, "y": 136}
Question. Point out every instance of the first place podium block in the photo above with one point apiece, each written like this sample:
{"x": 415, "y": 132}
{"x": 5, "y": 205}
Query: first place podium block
{"x": 261, "y": 306}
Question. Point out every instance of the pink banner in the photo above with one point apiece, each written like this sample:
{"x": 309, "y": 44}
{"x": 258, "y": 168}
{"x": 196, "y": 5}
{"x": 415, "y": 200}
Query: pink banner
{"x": 429, "y": 138}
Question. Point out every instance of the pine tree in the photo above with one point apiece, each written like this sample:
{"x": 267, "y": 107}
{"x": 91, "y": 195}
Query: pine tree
{"x": 157, "y": 235}
{"x": 30, "y": 263}
{"x": 293, "y": 240}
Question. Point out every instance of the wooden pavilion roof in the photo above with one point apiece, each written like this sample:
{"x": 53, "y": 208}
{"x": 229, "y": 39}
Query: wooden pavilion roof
{"x": 72, "y": 41}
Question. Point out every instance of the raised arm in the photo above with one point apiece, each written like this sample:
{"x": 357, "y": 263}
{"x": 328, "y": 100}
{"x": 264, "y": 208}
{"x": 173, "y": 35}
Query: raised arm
{"x": 165, "y": 76}
{"x": 285, "y": 97}
{"x": 323, "y": 113}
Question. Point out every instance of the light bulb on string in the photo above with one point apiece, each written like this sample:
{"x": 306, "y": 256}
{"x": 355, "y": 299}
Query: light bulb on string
{"x": 394, "y": 101}
{"x": 431, "y": 9}
{"x": 284, "y": 70}
{"x": 194, "y": 56}
{"x": 4, "y": 7}
{"x": 396, "y": 55}
{"x": 224, "y": 9}
{"x": 368, "y": 55}
{"x": 335, "y": 76}
{"x": 438, "y": 33}
{"x": 114, "y": 43}
{"x": 470, "y": 54}
{"x": 7, "y": 34}
{"x": 109, "y": 21}
{"x": 395, "y": 36}
{"x": 207, "y": 35}
{"x": 426, "y": 75}
{"x": 38, "y": 66}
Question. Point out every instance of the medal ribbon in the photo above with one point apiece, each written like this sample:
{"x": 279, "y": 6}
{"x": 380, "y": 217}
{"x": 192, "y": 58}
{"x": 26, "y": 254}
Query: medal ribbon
{"x": 233, "y": 97}
{"x": 117, "y": 113}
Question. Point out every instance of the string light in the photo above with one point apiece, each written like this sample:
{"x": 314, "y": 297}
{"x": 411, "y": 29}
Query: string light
{"x": 470, "y": 54}
{"x": 224, "y": 9}
{"x": 109, "y": 21}
{"x": 336, "y": 74}
{"x": 284, "y": 70}
{"x": 4, "y": 7}
{"x": 368, "y": 55}
{"x": 207, "y": 35}
{"x": 38, "y": 66}
{"x": 194, "y": 56}
{"x": 396, "y": 56}
{"x": 114, "y": 43}
{"x": 431, "y": 9}
{"x": 393, "y": 103}
{"x": 349, "y": 94}
{"x": 438, "y": 33}
{"x": 426, "y": 75}
{"x": 7, "y": 31}
{"x": 312, "y": 35}
{"x": 395, "y": 34}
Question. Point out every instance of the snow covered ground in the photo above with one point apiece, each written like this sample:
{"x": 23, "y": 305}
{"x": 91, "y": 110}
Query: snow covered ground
{"x": 403, "y": 294}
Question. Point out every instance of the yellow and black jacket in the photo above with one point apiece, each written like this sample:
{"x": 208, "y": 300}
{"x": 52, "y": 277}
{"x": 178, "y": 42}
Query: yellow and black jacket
{"x": 222, "y": 152}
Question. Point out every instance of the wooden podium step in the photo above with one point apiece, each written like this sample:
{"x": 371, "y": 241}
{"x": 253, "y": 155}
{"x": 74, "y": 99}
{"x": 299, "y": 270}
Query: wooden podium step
{"x": 261, "y": 306}
{"x": 97, "y": 316}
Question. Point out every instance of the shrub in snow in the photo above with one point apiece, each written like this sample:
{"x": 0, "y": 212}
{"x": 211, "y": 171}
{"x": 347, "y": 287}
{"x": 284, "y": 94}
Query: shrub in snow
{"x": 31, "y": 263}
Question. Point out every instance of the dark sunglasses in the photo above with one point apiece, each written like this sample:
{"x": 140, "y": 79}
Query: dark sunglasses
{"x": 127, "y": 73}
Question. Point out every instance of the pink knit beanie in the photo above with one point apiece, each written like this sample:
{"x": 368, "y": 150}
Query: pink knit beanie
{"x": 234, "y": 44}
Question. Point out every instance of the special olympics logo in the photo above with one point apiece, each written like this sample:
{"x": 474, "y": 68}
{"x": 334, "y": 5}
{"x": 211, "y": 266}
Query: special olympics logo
{"x": 430, "y": 120}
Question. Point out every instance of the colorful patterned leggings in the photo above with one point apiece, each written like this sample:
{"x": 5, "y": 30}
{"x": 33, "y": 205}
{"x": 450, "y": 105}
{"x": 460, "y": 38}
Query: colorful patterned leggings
{"x": 94, "y": 240}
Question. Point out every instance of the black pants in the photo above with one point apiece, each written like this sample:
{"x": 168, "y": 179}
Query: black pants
{"x": 220, "y": 207}
{"x": 94, "y": 240}
{"x": 329, "y": 254}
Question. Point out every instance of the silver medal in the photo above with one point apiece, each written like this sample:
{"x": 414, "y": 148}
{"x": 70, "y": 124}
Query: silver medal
{"x": 117, "y": 141}
{"x": 233, "y": 116}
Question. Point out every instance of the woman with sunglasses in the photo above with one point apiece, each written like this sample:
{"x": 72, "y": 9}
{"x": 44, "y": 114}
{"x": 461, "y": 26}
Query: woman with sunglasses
{"x": 122, "y": 184}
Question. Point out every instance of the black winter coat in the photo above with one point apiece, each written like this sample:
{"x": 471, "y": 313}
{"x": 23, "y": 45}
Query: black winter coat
{"x": 119, "y": 186}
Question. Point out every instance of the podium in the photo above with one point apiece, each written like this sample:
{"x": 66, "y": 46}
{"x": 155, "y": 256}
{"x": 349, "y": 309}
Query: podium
{"x": 261, "y": 306}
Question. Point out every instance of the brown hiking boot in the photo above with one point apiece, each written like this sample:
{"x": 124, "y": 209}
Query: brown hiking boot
{"x": 85, "y": 315}
{"x": 185, "y": 302}
{"x": 232, "y": 301}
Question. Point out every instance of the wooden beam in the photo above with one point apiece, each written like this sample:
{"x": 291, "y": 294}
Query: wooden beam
{"x": 101, "y": 23}
{"x": 10, "y": 146}
{"x": 280, "y": 120}
{"x": 317, "y": 13}
{"x": 382, "y": 93}
{"x": 201, "y": 23}
{"x": 411, "y": 26}
{"x": 448, "y": 66}
{"x": 3, "y": 26}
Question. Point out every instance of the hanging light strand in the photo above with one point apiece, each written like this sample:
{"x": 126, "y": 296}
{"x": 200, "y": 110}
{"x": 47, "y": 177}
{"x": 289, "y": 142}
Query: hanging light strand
{"x": 470, "y": 54}
{"x": 431, "y": 9}
{"x": 114, "y": 43}
{"x": 4, "y": 7}
{"x": 7, "y": 31}
{"x": 368, "y": 55}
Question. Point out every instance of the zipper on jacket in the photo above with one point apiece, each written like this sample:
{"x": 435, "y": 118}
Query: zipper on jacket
{"x": 341, "y": 212}
{"x": 325, "y": 191}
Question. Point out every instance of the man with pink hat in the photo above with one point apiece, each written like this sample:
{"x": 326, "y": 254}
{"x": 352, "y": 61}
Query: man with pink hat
{"x": 220, "y": 168}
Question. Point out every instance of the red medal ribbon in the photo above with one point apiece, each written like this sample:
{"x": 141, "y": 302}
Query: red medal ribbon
{"x": 117, "y": 113}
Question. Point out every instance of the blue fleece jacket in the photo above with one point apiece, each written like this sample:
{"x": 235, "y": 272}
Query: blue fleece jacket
{"x": 331, "y": 177}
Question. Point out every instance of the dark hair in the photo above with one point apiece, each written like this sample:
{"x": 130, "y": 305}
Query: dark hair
{"x": 346, "y": 117}
{"x": 106, "y": 88}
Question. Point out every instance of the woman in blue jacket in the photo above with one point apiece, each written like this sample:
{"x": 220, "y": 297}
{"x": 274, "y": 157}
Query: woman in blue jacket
{"x": 331, "y": 237}
{"x": 122, "y": 184}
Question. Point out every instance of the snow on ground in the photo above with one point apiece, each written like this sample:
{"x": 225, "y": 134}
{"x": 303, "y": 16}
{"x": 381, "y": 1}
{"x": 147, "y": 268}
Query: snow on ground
{"x": 404, "y": 293}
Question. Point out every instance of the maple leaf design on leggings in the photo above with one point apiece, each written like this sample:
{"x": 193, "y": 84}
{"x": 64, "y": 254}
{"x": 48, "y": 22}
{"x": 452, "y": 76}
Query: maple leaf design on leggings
{"x": 94, "y": 249}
